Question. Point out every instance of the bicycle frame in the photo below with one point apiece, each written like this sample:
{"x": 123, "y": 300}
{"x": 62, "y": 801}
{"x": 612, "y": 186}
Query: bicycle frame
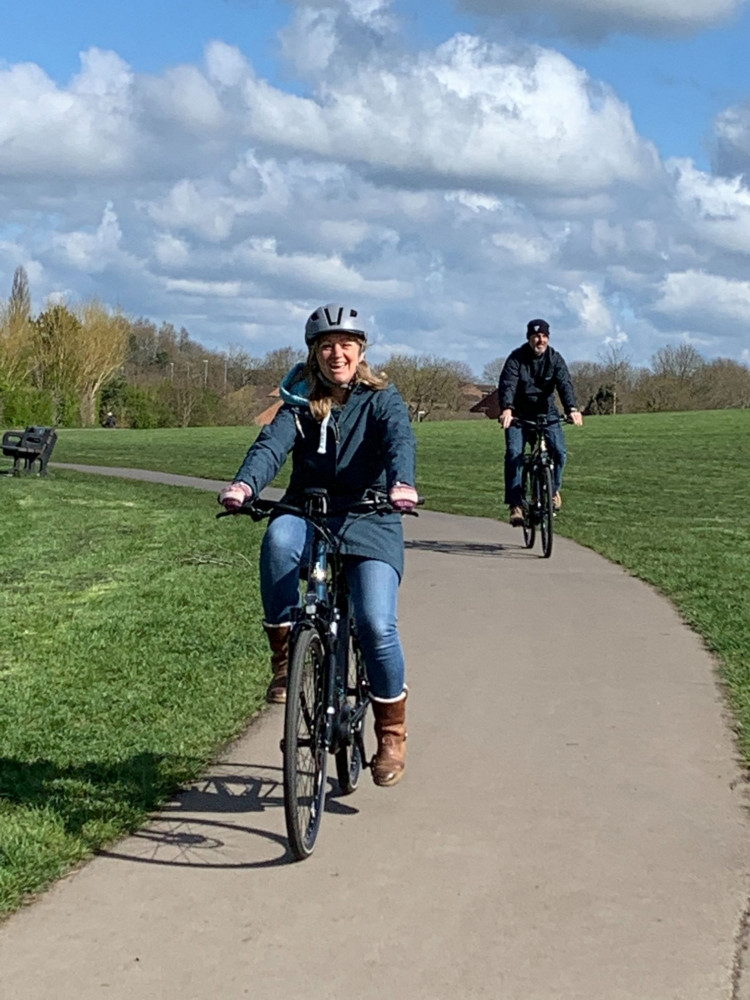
{"x": 327, "y": 691}
{"x": 325, "y": 607}
{"x": 537, "y": 476}
{"x": 538, "y": 451}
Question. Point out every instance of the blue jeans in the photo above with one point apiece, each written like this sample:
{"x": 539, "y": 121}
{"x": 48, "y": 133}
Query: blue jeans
{"x": 373, "y": 587}
{"x": 515, "y": 440}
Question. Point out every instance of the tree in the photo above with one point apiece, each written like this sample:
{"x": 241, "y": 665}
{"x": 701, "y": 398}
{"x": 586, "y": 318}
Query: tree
{"x": 19, "y": 305}
{"x": 101, "y": 347}
{"x": 427, "y": 382}
{"x": 617, "y": 372}
{"x": 275, "y": 365}
{"x": 723, "y": 384}
{"x": 587, "y": 378}
{"x": 491, "y": 371}
{"x": 16, "y": 332}
{"x": 675, "y": 385}
{"x": 184, "y": 393}
{"x": 56, "y": 331}
{"x": 75, "y": 353}
{"x": 680, "y": 363}
{"x": 239, "y": 368}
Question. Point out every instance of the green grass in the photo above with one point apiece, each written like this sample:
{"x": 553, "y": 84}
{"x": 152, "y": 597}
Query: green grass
{"x": 130, "y": 647}
{"x": 662, "y": 494}
{"x": 130, "y": 641}
{"x": 192, "y": 452}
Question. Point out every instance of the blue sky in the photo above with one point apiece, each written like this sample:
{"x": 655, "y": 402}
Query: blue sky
{"x": 228, "y": 165}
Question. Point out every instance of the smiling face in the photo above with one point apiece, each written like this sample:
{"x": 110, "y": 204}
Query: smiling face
{"x": 539, "y": 342}
{"x": 338, "y": 356}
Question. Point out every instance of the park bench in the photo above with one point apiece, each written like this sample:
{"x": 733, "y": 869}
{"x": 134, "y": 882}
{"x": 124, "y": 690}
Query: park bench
{"x": 28, "y": 447}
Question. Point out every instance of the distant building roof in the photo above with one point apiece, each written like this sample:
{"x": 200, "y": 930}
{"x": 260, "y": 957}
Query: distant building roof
{"x": 269, "y": 413}
{"x": 489, "y": 405}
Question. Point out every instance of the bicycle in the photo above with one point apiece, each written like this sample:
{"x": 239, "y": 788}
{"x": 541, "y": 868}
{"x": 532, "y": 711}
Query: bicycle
{"x": 536, "y": 486}
{"x": 327, "y": 690}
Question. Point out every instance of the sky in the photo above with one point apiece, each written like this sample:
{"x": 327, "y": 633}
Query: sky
{"x": 452, "y": 171}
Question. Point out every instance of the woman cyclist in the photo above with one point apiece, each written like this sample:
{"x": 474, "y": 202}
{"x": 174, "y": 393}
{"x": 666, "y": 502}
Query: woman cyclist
{"x": 348, "y": 430}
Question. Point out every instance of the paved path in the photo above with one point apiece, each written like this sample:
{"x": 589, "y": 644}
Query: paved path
{"x": 572, "y": 824}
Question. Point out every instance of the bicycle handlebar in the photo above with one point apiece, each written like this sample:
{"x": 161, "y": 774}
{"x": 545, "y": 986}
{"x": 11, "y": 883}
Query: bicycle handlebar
{"x": 258, "y": 507}
{"x": 540, "y": 423}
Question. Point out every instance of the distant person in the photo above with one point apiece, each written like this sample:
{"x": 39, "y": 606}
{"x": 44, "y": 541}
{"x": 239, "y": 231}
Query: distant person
{"x": 109, "y": 420}
{"x": 526, "y": 389}
{"x": 347, "y": 429}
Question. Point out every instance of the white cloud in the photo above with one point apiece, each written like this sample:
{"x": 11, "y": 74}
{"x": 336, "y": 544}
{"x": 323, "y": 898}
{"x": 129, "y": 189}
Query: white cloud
{"x": 590, "y": 19}
{"x": 202, "y": 208}
{"x": 225, "y": 64}
{"x": 310, "y": 40}
{"x": 717, "y": 208}
{"x": 170, "y": 252}
{"x": 451, "y": 196}
{"x": 467, "y": 115}
{"x": 690, "y": 296}
{"x": 316, "y": 271}
{"x": 93, "y": 251}
{"x": 523, "y": 249}
{"x": 184, "y": 97}
{"x": 732, "y": 140}
{"x": 46, "y": 131}
{"x": 593, "y": 316}
{"x": 204, "y": 289}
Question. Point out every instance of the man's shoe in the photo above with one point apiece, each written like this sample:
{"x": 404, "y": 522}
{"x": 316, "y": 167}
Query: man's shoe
{"x": 556, "y": 502}
{"x": 516, "y": 517}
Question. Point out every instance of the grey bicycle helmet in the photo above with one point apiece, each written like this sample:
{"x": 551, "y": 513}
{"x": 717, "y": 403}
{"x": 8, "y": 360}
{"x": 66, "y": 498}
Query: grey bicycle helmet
{"x": 333, "y": 318}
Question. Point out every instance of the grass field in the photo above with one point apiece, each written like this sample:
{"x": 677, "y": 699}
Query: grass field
{"x": 128, "y": 652}
{"x": 119, "y": 674}
{"x": 663, "y": 494}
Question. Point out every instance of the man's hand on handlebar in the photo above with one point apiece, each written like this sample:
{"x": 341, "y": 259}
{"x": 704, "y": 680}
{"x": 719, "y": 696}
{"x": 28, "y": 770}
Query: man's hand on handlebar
{"x": 233, "y": 496}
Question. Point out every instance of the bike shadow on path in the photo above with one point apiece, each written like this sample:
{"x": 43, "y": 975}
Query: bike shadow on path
{"x": 463, "y": 548}
{"x": 199, "y": 827}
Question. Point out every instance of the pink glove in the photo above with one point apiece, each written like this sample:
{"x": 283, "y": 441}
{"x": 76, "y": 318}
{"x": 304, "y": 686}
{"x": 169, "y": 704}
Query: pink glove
{"x": 403, "y": 497}
{"x": 234, "y": 495}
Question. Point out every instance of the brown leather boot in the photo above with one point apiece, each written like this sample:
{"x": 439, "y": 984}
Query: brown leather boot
{"x": 278, "y": 640}
{"x": 390, "y": 728}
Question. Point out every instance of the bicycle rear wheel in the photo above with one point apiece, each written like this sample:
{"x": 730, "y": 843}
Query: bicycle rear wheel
{"x": 305, "y": 755}
{"x": 349, "y": 758}
{"x": 529, "y": 504}
{"x": 547, "y": 510}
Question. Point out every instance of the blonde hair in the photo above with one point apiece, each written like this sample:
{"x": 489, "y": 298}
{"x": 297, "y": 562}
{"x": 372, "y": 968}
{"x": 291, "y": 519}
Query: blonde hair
{"x": 321, "y": 400}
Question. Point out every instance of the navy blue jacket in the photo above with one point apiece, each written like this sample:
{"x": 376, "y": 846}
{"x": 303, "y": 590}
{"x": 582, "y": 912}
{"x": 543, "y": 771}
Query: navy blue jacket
{"x": 527, "y": 384}
{"x": 368, "y": 443}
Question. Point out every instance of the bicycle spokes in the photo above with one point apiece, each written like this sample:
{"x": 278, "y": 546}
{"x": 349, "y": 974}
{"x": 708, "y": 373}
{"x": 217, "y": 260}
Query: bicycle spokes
{"x": 305, "y": 753}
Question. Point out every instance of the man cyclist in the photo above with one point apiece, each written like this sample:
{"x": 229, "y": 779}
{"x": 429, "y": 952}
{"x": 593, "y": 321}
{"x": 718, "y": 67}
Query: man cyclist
{"x": 526, "y": 389}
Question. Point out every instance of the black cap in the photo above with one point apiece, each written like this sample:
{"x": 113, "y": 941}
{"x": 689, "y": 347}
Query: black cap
{"x": 537, "y": 326}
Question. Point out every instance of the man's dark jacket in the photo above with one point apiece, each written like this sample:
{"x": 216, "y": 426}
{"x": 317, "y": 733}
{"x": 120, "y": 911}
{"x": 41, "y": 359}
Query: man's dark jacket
{"x": 527, "y": 383}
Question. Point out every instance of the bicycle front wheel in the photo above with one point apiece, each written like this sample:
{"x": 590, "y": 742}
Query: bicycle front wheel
{"x": 529, "y": 505}
{"x": 349, "y": 758}
{"x": 547, "y": 510}
{"x": 305, "y": 754}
